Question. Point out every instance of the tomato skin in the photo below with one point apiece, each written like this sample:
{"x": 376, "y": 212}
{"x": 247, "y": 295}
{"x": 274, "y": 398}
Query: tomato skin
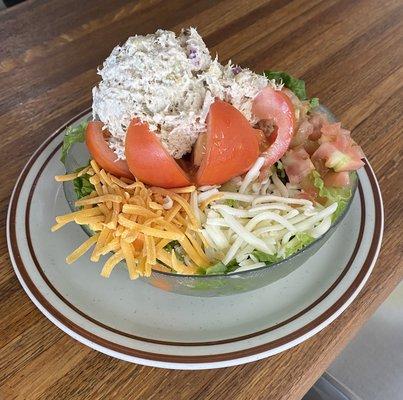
{"x": 102, "y": 153}
{"x": 228, "y": 149}
{"x": 275, "y": 105}
{"x": 149, "y": 161}
{"x": 232, "y": 145}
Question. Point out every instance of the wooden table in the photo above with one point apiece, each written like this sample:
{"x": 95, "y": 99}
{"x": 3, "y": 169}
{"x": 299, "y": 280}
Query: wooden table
{"x": 350, "y": 55}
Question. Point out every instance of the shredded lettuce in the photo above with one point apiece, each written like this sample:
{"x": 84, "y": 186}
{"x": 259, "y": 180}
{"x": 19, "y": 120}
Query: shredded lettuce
{"x": 313, "y": 103}
{"x": 231, "y": 203}
{"x": 82, "y": 185}
{"x": 171, "y": 245}
{"x": 341, "y": 196}
{"x": 299, "y": 241}
{"x": 266, "y": 258}
{"x": 215, "y": 269}
{"x": 221, "y": 268}
{"x": 175, "y": 246}
{"x": 73, "y": 135}
{"x": 294, "y": 84}
{"x": 280, "y": 169}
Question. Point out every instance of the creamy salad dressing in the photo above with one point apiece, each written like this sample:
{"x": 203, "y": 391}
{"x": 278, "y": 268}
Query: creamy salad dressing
{"x": 169, "y": 82}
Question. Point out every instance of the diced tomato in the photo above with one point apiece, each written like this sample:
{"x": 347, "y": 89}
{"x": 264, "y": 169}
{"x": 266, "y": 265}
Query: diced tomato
{"x": 337, "y": 179}
{"x": 338, "y": 160}
{"x": 300, "y": 107}
{"x": 231, "y": 145}
{"x": 334, "y": 133}
{"x": 263, "y": 140}
{"x": 101, "y": 152}
{"x": 297, "y": 164}
{"x": 266, "y": 133}
{"x": 305, "y": 129}
{"x": 320, "y": 166}
{"x": 338, "y": 150}
{"x": 311, "y": 191}
{"x": 311, "y": 146}
{"x": 317, "y": 119}
{"x": 149, "y": 161}
{"x": 275, "y": 105}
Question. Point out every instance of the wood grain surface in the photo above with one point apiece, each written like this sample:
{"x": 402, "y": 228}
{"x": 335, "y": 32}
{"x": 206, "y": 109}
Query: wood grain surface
{"x": 350, "y": 54}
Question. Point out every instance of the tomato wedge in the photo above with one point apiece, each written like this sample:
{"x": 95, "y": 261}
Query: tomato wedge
{"x": 275, "y": 105}
{"x": 149, "y": 161}
{"x": 231, "y": 147}
{"x": 101, "y": 152}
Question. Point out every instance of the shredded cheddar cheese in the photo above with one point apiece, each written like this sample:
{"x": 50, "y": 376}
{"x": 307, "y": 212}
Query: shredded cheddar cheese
{"x": 132, "y": 221}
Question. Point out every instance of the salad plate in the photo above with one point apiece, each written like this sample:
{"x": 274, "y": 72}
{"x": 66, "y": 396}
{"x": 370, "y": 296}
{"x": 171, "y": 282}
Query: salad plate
{"x": 136, "y": 322}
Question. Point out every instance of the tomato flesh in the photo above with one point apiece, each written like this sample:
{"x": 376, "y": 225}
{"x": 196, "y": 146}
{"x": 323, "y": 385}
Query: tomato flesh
{"x": 199, "y": 149}
{"x": 275, "y": 105}
{"x": 149, "y": 161}
{"x": 231, "y": 148}
{"x": 228, "y": 149}
{"x": 102, "y": 153}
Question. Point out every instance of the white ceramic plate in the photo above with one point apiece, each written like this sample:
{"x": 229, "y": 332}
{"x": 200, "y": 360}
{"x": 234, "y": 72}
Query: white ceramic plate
{"x": 139, "y": 323}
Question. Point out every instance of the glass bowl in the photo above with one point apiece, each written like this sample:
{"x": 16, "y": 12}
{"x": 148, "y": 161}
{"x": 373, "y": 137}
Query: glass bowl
{"x": 220, "y": 284}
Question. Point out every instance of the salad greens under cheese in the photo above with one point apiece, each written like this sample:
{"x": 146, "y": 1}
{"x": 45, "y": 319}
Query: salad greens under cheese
{"x": 202, "y": 168}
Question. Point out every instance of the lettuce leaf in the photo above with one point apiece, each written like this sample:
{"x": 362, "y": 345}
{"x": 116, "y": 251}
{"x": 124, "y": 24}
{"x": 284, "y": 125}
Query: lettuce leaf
{"x": 82, "y": 185}
{"x": 313, "y": 103}
{"x": 171, "y": 245}
{"x": 221, "y": 268}
{"x": 341, "y": 196}
{"x": 294, "y": 84}
{"x": 231, "y": 202}
{"x": 266, "y": 258}
{"x": 73, "y": 135}
{"x": 280, "y": 169}
{"x": 215, "y": 269}
{"x": 175, "y": 246}
{"x": 299, "y": 241}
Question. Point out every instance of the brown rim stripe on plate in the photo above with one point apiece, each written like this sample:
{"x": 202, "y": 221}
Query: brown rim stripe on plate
{"x": 139, "y": 353}
{"x": 170, "y": 343}
{"x": 187, "y": 359}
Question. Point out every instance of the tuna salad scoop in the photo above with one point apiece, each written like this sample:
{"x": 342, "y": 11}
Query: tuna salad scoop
{"x": 168, "y": 82}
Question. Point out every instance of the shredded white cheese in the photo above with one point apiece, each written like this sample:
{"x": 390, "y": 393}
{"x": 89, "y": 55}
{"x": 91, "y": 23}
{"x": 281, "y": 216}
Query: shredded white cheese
{"x": 169, "y": 82}
{"x": 263, "y": 219}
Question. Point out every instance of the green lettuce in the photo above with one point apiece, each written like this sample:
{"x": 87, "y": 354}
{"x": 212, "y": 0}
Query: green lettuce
{"x": 82, "y": 185}
{"x": 231, "y": 202}
{"x": 73, "y": 135}
{"x": 280, "y": 169}
{"x": 221, "y": 268}
{"x": 171, "y": 245}
{"x": 313, "y": 103}
{"x": 341, "y": 196}
{"x": 299, "y": 241}
{"x": 264, "y": 257}
{"x": 294, "y": 84}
